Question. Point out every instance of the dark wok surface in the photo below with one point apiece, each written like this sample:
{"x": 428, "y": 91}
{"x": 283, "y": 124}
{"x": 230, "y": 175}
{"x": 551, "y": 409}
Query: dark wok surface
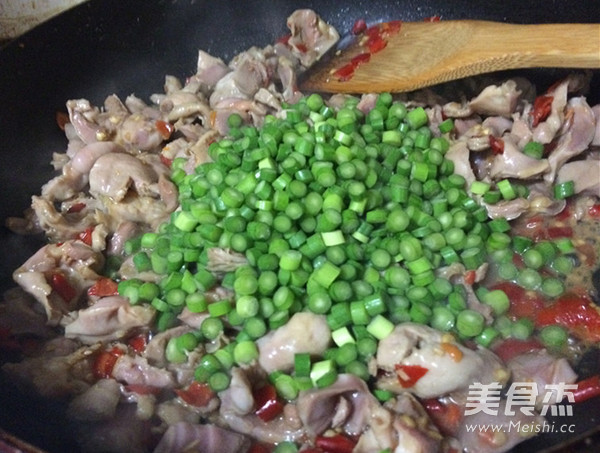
{"x": 123, "y": 47}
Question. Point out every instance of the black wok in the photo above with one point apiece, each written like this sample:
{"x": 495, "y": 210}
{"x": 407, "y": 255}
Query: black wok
{"x": 124, "y": 47}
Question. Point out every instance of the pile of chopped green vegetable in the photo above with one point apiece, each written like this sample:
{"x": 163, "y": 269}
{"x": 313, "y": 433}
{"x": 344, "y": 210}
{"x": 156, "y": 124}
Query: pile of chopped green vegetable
{"x": 336, "y": 212}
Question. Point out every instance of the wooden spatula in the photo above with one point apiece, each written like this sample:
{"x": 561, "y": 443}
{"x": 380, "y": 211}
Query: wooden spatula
{"x": 403, "y": 56}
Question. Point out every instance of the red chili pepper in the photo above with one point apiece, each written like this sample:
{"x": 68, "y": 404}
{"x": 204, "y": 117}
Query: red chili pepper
{"x": 86, "y": 236}
{"x": 164, "y": 128}
{"x": 496, "y": 145}
{"x": 559, "y": 232}
{"x": 345, "y": 72}
{"x": 284, "y": 39}
{"x": 511, "y": 347}
{"x": 337, "y": 443}
{"x": 166, "y": 161}
{"x": 542, "y": 106}
{"x": 105, "y": 362}
{"x": 587, "y": 388}
{"x": 62, "y": 287}
{"x": 446, "y": 416}
{"x": 469, "y": 277}
{"x": 142, "y": 389}
{"x": 393, "y": 26}
{"x": 267, "y": 403}
{"x": 594, "y": 211}
{"x": 302, "y": 47}
{"x": 534, "y": 222}
{"x": 103, "y": 287}
{"x": 261, "y": 448}
{"x": 62, "y": 119}
{"x": 138, "y": 343}
{"x": 409, "y": 375}
{"x": 575, "y": 312}
{"x": 373, "y": 31}
{"x": 76, "y": 207}
{"x": 565, "y": 214}
{"x": 197, "y": 394}
{"x": 376, "y": 44}
{"x": 360, "y": 59}
{"x": 518, "y": 261}
{"x": 359, "y": 26}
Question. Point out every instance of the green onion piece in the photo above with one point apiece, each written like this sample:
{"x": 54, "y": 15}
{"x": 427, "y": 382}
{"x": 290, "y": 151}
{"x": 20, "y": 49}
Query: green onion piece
{"x": 321, "y": 369}
{"x": 498, "y": 300}
{"x": 534, "y": 150}
{"x": 219, "y": 381}
{"x": 529, "y": 279}
{"x": 522, "y": 329}
{"x": 470, "y": 323}
{"x": 552, "y": 287}
{"x": 487, "y": 336}
{"x": 554, "y": 336}
{"x": 480, "y": 187}
{"x": 302, "y": 364}
{"x": 380, "y": 327}
{"x": 245, "y": 352}
{"x": 446, "y": 126}
{"x": 564, "y": 190}
{"x": 417, "y": 117}
{"x": 562, "y": 265}
{"x": 442, "y": 319}
{"x": 506, "y": 189}
{"x": 219, "y": 308}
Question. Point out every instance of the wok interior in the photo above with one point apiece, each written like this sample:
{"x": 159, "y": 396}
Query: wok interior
{"x": 110, "y": 46}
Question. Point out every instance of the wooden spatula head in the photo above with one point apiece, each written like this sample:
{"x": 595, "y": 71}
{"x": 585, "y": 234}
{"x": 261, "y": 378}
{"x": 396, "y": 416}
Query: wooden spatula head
{"x": 403, "y": 56}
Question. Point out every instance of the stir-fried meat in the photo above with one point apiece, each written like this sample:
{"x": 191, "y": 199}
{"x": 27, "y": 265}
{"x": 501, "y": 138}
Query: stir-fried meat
{"x": 579, "y": 132}
{"x": 304, "y": 332}
{"x": 99, "y": 402}
{"x": 512, "y": 163}
{"x": 584, "y": 173}
{"x": 401, "y": 425}
{"x": 82, "y": 116}
{"x": 57, "y": 372}
{"x": 20, "y": 314}
{"x": 506, "y": 434}
{"x": 112, "y": 175}
{"x": 224, "y": 260}
{"x": 110, "y": 318}
{"x": 318, "y": 409}
{"x": 596, "y": 112}
{"x": 545, "y": 131}
{"x": 210, "y": 70}
{"x": 541, "y": 368}
{"x": 75, "y": 174}
{"x": 123, "y": 432}
{"x": 311, "y": 36}
{"x": 497, "y": 100}
{"x": 459, "y": 155}
{"x": 185, "y": 437}
{"x": 508, "y": 210}
{"x": 58, "y": 274}
{"x": 62, "y": 226}
{"x": 135, "y": 370}
{"x": 450, "y": 366}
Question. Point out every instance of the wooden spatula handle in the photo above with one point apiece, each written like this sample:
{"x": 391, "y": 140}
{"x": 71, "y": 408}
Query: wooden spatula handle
{"x": 545, "y": 45}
